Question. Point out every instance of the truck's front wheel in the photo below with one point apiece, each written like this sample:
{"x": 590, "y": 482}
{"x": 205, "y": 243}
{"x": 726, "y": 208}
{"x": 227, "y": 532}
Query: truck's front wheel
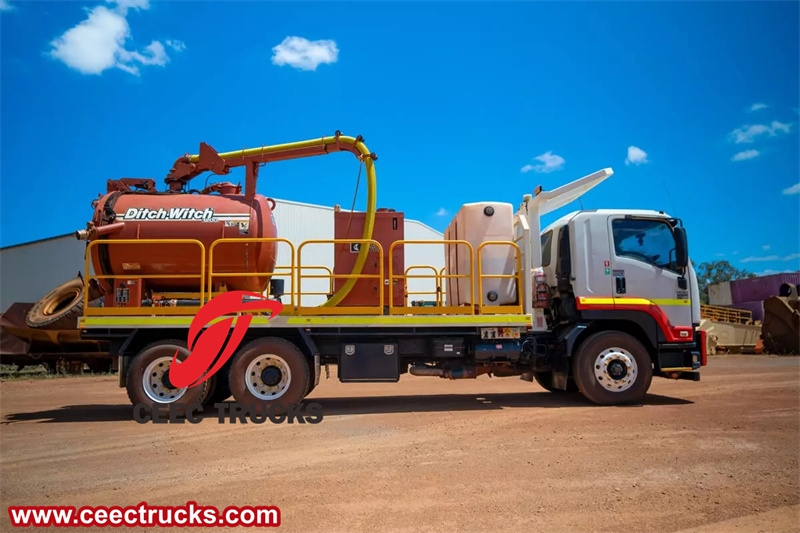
{"x": 613, "y": 368}
{"x": 269, "y": 372}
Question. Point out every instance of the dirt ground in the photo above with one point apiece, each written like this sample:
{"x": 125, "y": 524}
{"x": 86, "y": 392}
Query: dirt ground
{"x": 432, "y": 455}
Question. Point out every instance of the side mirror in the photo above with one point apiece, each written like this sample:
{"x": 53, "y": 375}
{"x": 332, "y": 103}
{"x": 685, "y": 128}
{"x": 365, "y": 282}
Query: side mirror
{"x": 681, "y": 248}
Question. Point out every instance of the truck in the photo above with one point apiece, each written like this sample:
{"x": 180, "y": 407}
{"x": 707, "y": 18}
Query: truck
{"x": 598, "y": 303}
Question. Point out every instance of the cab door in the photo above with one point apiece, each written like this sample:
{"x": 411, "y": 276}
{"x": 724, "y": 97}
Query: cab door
{"x": 643, "y": 265}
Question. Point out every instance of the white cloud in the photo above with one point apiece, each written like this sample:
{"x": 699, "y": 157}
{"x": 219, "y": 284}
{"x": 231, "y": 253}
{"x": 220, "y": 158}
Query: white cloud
{"x": 794, "y": 189}
{"x": 548, "y": 162}
{"x": 5, "y": 6}
{"x": 757, "y": 106}
{"x": 746, "y": 154}
{"x": 779, "y": 126}
{"x": 636, "y": 156}
{"x": 442, "y": 212}
{"x": 98, "y": 43}
{"x": 176, "y": 45}
{"x": 773, "y": 257}
{"x": 766, "y": 247}
{"x": 748, "y": 133}
{"x": 303, "y": 54}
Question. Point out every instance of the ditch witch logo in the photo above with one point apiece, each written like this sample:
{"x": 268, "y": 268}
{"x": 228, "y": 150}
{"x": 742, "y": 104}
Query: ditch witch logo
{"x": 203, "y": 362}
{"x": 174, "y": 213}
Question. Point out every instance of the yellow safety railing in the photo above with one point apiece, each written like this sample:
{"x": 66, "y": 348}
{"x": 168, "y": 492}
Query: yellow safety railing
{"x": 342, "y": 309}
{"x": 212, "y": 281}
{"x": 139, "y": 309}
{"x": 287, "y": 309}
{"x": 327, "y": 293}
{"x": 436, "y": 293}
{"x": 726, "y": 314}
{"x": 442, "y": 284}
{"x": 439, "y": 309}
{"x": 507, "y": 308}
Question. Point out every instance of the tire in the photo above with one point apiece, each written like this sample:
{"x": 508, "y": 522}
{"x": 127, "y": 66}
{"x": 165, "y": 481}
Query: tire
{"x": 545, "y": 380}
{"x": 310, "y": 387}
{"x": 283, "y": 380}
{"x": 155, "y": 358}
{"x": 218, "y": 389}
{"x": 58, "y": 309}
{"x": 598, "y": 360}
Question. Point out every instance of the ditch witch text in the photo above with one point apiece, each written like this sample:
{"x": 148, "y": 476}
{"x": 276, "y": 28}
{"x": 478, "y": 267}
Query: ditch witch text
{"x": 174, "y": 213}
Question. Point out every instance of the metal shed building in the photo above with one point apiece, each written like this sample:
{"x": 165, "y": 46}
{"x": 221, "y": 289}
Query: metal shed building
{"x": 30, "y": 270}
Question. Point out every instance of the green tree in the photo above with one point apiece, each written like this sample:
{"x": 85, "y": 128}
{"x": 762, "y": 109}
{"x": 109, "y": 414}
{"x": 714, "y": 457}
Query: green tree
{"x": 713, "y": 272}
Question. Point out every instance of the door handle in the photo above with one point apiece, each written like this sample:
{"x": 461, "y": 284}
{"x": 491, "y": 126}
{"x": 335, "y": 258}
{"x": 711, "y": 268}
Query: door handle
{"x": 620, "y": 284}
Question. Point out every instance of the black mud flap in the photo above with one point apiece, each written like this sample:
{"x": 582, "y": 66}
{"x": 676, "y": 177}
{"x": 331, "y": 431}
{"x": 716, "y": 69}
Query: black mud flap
{"x": 560, "y": 371}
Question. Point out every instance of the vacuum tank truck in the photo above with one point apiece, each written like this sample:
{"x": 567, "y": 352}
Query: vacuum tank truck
{"x": 599, "y": 302}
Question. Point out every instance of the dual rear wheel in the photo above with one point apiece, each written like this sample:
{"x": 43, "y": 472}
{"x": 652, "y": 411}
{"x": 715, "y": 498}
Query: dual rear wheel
{"x": 265, "y": 371}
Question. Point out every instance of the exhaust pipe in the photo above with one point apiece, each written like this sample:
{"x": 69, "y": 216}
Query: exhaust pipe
{"x": 462, "y": 372}
{"x": 465, "y": 372}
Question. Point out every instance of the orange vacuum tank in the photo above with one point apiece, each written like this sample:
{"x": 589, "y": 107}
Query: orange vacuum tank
{"x": 204, "y": 217}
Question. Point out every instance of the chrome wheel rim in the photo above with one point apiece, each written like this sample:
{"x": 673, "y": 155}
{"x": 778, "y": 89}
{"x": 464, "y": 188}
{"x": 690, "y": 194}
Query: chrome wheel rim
{"x": 268, "y": 377}
{"x": 155, "y": 382}
{"x": 615, "y": 369}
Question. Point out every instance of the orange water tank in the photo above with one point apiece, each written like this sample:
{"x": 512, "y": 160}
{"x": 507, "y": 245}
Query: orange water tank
{"x": 204, "y": 217}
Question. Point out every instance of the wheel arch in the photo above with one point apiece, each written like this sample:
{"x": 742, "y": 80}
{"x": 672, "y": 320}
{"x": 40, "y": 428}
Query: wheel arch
{"x": 639, "y": 325}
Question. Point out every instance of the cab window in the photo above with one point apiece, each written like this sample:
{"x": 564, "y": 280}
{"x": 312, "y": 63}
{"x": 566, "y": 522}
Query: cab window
{"x": 547, "y": 239}
{"x": 647, "y": 240}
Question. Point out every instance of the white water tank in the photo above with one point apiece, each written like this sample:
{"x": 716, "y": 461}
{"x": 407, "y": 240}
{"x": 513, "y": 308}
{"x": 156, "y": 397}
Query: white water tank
{"x": 477, "y": 223}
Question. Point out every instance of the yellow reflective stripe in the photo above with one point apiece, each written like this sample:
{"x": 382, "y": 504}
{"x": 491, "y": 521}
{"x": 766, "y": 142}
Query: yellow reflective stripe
{"x": 635, "y": 301}
{"x": 671, "y": 302}
{"x": 621, "y": 301}
{"x": 597, "y": 301}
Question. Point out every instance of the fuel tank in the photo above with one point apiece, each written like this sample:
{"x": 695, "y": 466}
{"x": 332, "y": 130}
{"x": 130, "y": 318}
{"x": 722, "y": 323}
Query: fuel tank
{"x": 204, "y": 217}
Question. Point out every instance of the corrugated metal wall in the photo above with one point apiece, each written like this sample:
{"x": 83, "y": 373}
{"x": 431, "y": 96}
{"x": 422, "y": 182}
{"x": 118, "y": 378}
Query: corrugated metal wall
{"x": 29, "y": 271}
{"x": 422, "y": 254}
{"x": 761, "y": 288}
{"x": 302, "y": 222}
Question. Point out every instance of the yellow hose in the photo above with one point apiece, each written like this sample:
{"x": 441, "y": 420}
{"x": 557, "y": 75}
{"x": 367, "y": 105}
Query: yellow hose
{"x": 371, "y": 193}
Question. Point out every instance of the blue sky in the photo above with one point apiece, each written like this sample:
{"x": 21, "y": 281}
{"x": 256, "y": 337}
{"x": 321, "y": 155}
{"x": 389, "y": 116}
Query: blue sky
{"x": 694, "y": 105}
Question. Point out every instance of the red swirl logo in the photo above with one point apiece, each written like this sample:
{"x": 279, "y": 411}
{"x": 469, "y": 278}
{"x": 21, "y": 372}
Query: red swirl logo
{"x": 204, "y": 349}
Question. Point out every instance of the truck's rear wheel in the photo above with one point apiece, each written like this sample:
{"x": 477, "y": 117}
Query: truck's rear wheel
{"x": 613, "y": 368}
{"x": 148, "y": 377}
{"x": 310, "y": 387}
{"x": 545, "y": 380}
{"x": 218, "y": 389}
{"x": 269, "y": 372}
